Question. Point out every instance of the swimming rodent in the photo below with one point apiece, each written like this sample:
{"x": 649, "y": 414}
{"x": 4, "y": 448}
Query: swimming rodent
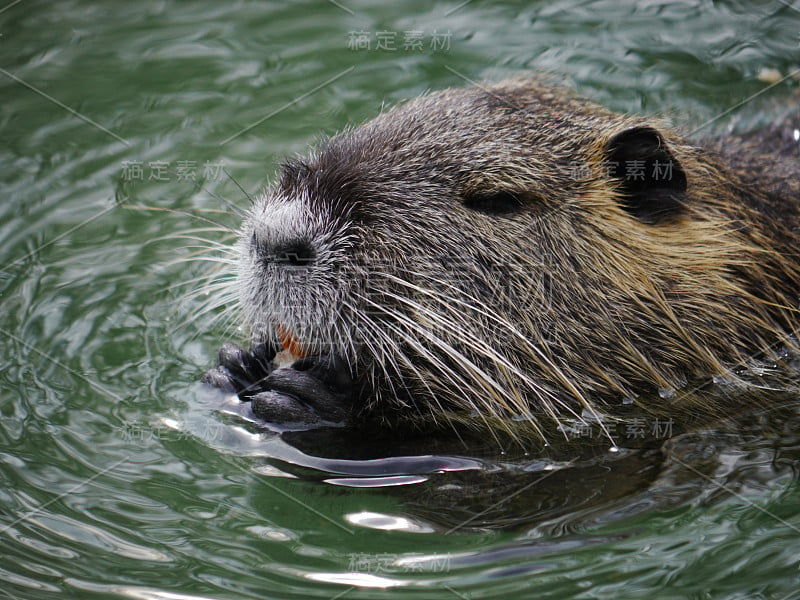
{"x": 513, "y": 253}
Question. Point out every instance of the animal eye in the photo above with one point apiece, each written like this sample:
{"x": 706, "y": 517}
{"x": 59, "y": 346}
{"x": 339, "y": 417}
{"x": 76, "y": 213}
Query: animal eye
{"x": 494, "y": 203}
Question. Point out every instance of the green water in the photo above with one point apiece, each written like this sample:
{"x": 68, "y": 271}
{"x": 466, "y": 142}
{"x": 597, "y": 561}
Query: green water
{"x": 121, "y": 478}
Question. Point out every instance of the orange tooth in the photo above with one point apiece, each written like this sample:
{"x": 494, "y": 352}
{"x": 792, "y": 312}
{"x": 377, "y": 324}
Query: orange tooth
{"x": 289, "y": 343}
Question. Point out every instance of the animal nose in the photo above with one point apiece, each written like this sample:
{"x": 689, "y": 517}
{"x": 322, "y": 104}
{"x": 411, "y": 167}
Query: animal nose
{"x": 293, "y": 253}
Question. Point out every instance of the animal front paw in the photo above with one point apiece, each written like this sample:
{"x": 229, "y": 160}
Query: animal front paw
{"x": 311, "y": 391}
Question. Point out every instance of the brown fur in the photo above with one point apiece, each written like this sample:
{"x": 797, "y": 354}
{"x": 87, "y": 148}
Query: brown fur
{"x": 569, "y": 300}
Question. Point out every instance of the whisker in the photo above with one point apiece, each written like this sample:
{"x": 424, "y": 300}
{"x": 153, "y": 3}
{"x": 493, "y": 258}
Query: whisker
{"x": 186, "y": 213}
{"x": 238, "y": 185}
{"x": 487, "y": 384}
{"x": 447, "y": 300}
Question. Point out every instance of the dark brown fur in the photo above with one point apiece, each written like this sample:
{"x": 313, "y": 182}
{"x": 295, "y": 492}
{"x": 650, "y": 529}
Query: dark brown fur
{"x": 474, "y": 251}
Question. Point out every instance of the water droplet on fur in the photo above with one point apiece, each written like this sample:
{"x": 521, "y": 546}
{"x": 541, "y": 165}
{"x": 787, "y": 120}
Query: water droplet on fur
{"x": 666, "y": 393}
{"x": 627, "y": 400}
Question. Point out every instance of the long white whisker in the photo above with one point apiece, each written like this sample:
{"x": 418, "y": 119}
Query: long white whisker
{"x": 447, "y": 300}
{"x": 486, "y": 382}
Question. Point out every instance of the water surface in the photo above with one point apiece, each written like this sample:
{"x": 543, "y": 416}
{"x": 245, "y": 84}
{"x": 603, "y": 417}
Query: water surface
{"x": 125, "y": 124}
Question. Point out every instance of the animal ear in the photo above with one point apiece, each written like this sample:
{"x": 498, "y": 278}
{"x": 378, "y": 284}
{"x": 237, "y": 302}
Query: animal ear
{"x": 651, "y": 181}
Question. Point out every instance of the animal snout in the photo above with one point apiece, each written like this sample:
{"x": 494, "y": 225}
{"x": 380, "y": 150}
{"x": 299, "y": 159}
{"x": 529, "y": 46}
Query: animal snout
{"x": 284, "y": 234}
{"x": 297, "y": 252}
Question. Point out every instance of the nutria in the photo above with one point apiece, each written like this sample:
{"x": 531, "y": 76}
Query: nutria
{"x": 511, "y": 252}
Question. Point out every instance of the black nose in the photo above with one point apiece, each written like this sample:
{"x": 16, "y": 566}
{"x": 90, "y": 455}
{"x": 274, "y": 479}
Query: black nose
{"x": 290, "y": 253}
{"x": 299, "y": 253}
{"x": 295, "y": 254}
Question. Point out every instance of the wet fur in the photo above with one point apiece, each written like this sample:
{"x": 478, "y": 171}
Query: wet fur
{"x": 560, "y": 299}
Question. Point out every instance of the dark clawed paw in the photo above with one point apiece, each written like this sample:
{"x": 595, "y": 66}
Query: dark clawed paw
{"x": 276, "y": 407}
{"x": 240, "y": 371}
{"x": 311, "y": 391}
{"x": 314, "y": 389}
{"x": 221, "y": 378}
